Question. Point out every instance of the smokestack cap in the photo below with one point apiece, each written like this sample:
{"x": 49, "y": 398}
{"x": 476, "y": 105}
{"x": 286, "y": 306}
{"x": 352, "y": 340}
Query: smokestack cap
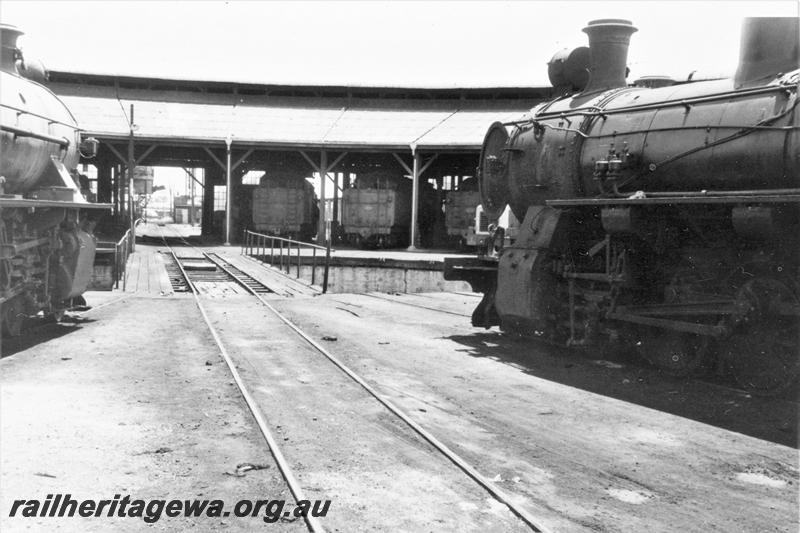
{"x": 619, "y": 24}
{"x": 608, "y": 49}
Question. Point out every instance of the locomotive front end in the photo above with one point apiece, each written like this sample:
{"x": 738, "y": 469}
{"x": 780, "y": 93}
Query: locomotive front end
{"x": 659, "y": 218}
{"x": 46, "y": 242}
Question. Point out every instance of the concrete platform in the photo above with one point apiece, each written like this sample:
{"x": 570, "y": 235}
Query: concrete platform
{"x": 350, "y": 270}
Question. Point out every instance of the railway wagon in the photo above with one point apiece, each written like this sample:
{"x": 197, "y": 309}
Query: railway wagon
{"x": 47, "y": 246}
{"x": 376, "y": 210}
{"x": 661, "y": 220}
{"x": 285, "y": 205}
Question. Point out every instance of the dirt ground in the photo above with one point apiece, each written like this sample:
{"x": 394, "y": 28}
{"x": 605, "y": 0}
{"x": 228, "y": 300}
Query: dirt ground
{"x": 133, "y": 398}
{"x": 589, "y": 445}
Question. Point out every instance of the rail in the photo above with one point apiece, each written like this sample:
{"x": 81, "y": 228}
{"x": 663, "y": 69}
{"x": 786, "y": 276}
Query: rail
{"x": 255, "y": 245}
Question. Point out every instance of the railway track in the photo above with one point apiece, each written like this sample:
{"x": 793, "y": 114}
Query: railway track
{"x": 418, "y": 306}
{"x": 237, "y": 276}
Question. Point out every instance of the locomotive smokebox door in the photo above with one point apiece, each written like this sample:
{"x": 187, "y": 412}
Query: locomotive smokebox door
{"x": 493, "y": 171}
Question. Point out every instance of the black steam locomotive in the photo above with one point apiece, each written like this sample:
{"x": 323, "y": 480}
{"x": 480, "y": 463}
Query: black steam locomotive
{"x": 662, "y": 219}
{"x": 47, "y": 247}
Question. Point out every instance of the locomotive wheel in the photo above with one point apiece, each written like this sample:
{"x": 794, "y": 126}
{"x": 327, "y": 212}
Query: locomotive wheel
{"x": 13, "y": 317}
{"x": 678, "y": 354}
{"x": 763, "y": 354}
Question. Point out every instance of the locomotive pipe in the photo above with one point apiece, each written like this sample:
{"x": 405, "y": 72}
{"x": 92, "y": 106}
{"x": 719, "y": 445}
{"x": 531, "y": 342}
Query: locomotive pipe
{"x": 61, "y": 141}
{"x": 608, "y": 50}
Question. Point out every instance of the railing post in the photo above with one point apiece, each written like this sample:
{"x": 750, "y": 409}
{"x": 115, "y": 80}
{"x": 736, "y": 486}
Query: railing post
{"x": 271, "y": 250}
{"x": 313, "y": 265}
{"x": 327, "y": 259}
{"x": 116, "y": 265}
{"x": 298, "y": 260}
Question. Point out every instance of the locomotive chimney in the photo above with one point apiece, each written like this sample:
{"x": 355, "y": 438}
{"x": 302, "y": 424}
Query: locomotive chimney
{"x": 608, "y": 47}
{"x": 769, "y": 46}
{"x": 9, "y": 52}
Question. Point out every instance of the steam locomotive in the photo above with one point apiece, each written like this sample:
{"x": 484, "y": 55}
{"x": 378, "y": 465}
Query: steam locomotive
{"x": 665, "y": 220}
{"x": 46, "y": 243}
{"x": 376, "y": 211}
{"x": 461, "y": 206}
{"x": 285, "y": 205}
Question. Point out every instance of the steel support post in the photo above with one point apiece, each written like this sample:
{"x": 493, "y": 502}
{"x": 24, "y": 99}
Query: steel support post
{"x": 131, "y": 166}
{"x": 414, "y": 198}
{"x": 228, "y": 192}
{"x": 323, "y": 175}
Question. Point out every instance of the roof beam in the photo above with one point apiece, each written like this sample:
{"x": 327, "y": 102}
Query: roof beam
{"x": 426, "y": 165}
{"x": 310, "y": 162}
{"x": 145, "y": 154}
{"x": 222, "y": 165}
{"x": 403, "y": 164}
{"x": 114, "y": 151}
{"x": 241, "y": 159}
{"x": 191, "y": 175}
{"x": 335, "y": 162}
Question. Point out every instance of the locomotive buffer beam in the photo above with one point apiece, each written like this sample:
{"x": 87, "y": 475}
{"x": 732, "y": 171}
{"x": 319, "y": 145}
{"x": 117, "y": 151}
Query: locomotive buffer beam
{"x": 480, "y": 273}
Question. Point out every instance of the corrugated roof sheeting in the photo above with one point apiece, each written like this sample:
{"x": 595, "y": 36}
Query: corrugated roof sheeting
{"x": 465, "y": 128}
{"x": 394, "y": 127}
{"x": 98, "y": 115}
{"x": 390, "y": 125}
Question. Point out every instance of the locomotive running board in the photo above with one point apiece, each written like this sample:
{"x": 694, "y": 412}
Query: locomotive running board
{"x": 672, "y": 200}
{"x": 26, "y": 202}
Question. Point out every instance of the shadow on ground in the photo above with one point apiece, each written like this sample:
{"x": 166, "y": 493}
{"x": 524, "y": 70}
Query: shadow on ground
{"x": 38, "y": 332}
{"x": 710, "y": 401}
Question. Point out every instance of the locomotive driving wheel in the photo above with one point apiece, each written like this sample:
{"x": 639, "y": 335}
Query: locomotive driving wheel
{"x": 763, "y": 353}
{"x": 678, "y": 354}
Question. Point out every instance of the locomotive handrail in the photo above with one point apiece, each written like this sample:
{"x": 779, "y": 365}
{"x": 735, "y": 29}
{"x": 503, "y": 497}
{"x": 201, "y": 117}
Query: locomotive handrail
{"x": 37, "y": 115}
{"x": 255, "y": 245}
{"x": 19, "y": 132}
{"x": 593, "y": 111}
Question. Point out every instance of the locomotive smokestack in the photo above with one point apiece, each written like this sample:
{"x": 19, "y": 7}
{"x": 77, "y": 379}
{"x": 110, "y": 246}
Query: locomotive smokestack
{"x": 769, "y": 46}
{"x": 8, "y": 40}
{"x": 608, "y": 46}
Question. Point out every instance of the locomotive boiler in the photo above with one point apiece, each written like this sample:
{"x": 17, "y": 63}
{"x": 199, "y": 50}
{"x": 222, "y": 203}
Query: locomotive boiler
{"x": 660, "y": 219}
{"x": 46, "y": 241}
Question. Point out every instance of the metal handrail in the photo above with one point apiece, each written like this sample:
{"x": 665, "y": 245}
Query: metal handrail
{"x": 255, "y": 245}
{"x": 121, "y": 253}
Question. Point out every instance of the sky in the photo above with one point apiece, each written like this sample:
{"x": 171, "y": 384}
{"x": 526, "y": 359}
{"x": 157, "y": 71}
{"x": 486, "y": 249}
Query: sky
{"x": 398, "y": 43}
